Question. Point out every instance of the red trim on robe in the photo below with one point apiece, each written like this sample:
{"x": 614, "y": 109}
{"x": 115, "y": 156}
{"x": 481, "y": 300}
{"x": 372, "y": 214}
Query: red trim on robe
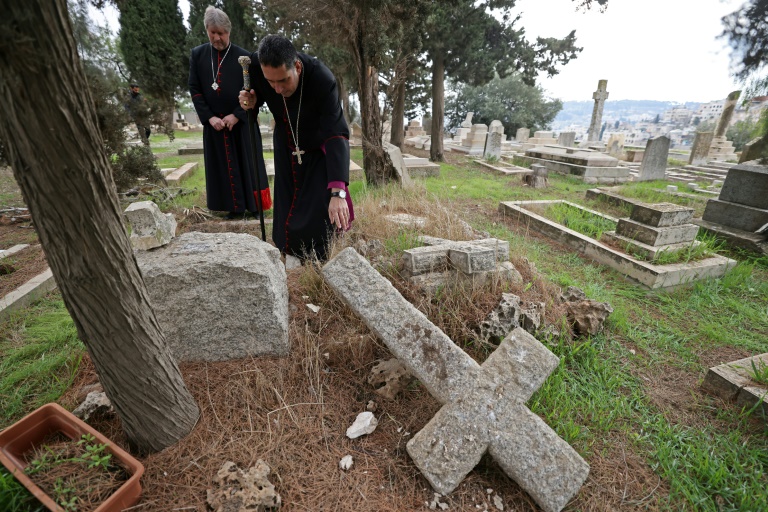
{"x": 266, "y": 199}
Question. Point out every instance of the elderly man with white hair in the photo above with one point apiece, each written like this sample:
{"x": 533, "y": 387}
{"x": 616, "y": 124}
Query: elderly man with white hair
{"x": 215, "y": 80}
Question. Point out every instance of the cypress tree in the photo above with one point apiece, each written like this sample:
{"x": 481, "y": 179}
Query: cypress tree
{"x": 153, "y": 43}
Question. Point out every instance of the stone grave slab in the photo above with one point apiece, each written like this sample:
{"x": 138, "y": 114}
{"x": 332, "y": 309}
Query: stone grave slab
{"x": 746, "y": 184}
{"x": 661, "y": 214}
{"x": 12, "y": 250}
{"x": 27, "y": 293}
{"x": 483, "y": 406}
{"x": 656, "y": 236}
{"x": 647, "y": 274}
{"x": 178, "y": 175}
{"x": 734, "y": 381}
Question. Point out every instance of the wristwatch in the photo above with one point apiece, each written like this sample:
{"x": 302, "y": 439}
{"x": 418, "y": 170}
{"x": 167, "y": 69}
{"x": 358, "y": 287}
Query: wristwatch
{"x": 341, "y": 193}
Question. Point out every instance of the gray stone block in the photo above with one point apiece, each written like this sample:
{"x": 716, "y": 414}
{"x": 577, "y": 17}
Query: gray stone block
{"x": 150, "y": 227}
{"x": 656, "y": 236}
{"x": 483, "y": 406}
{"x": 661, "y": 215}
{"x": 218, "y": 296}
{"x": 747, "y": 185}
{"x": 735, "y": 215}
{"x": 421, "y": 260}
{"x": 472, "y": 258}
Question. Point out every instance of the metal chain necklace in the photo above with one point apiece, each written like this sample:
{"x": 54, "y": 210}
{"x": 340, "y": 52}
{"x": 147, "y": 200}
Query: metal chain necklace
{"x": 295, "y": 135}
{"x": 214, "y": 85}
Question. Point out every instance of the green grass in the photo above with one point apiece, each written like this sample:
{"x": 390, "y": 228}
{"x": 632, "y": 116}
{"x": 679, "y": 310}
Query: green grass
{"x": 603, "y": 398}
{"x": 579, "y": 220}
{"x": 40, "y": 356}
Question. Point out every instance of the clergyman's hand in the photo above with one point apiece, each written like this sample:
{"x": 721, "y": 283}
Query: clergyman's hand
{"x": 338, "y": 212}
{"x": 247, "y": 99}
{"x": 217, "y": 123}
{"x": 230, "y": 121}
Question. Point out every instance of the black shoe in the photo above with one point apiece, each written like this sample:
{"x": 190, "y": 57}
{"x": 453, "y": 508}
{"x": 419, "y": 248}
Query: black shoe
{"x": 233, "y": 215}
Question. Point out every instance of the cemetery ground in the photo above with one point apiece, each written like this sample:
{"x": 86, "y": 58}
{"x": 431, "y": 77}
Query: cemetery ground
{"x": 628, "y": 399}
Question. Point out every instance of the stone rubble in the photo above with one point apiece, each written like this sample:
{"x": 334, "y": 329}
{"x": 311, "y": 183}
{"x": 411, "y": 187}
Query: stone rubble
{"x": 365, "y": 423}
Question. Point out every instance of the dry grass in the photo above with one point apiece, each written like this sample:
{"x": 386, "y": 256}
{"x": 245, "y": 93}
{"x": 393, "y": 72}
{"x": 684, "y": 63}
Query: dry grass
{"x": 293, "y": 412}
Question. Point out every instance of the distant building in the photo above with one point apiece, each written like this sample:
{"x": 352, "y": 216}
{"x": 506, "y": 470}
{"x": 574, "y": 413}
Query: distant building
{"x": 710, "y": 111}
{"x": 677, "y": 115}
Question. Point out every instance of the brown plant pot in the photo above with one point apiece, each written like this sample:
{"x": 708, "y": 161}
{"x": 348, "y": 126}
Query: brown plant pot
{"x": 28, "y": 433}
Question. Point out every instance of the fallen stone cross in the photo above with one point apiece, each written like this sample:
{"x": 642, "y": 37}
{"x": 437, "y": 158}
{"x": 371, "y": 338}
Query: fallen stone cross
{"x": 483, "y": 406}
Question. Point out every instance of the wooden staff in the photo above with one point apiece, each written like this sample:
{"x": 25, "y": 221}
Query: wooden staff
{"x": 245, "y": 62}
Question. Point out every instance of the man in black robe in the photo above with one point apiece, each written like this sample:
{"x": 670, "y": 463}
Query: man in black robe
{"x": 215, "y": 79}
{"x": 311, "y": 144}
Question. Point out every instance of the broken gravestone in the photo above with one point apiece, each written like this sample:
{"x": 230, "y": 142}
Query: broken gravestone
{"x": 510, "y": 314}
{"x": 243, "y": 491}
{"x": 483, "y": 406}
{"x": 150, "y": 227}
{"x": 389, "y": 378}
{"x": 587, "y": 316}
{"x": 218, "y": 296}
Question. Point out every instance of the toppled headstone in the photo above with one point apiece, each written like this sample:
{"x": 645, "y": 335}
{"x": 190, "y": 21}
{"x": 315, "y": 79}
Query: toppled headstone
{"x": 365, "y": 423}
{"x": 483, "y": 406}
{"x": 389, "y": 378}
{"x": 218, "y": 296}
{"x": 243, "y": 491}
{"x": 94, "y": 403}
{"x": 150, "y": 228}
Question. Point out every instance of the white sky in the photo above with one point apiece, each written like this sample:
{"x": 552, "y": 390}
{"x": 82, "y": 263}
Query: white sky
{"x": 647, "y": 49}
{"x": 664, "y": 50}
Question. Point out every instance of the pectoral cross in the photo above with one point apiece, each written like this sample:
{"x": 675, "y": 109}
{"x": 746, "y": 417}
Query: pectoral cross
{"x": 298, "y": 154}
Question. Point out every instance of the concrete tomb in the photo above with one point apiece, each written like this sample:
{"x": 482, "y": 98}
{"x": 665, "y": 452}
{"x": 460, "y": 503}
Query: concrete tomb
{"x": 473, "y": 143}
{"x": 591, "y": 166}
{"x": 740, "y": 213}
{"x": 483, "y": 405}
{"x": 522, "y": 135}
{"x": 736, "y": 381}
{"x": 218, "y": 296}
{"x": 150, "y": 227}
{"x": 654, "y": 165}
{"x": 494, "y": 141}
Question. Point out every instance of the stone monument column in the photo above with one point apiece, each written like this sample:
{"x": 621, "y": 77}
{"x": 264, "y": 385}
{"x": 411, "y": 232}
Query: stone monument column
{"x": 600, "y": 95}
{"x": 721, "y": 149}
{"x": 727, "y": 115}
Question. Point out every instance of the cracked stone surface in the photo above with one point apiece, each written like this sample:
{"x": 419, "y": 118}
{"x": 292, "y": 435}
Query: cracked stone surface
{"x": 389, "y": 378}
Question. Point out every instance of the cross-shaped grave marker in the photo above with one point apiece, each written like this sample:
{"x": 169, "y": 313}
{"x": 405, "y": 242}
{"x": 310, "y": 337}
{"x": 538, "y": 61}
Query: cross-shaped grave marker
{"x": 483, "y": 406}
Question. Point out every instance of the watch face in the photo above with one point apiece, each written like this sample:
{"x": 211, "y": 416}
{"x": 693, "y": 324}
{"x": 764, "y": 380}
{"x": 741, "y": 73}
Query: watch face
{"x": 341, "y": 193}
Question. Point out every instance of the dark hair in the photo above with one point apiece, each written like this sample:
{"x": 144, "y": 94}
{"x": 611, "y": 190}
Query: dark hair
{"x": 276, "y": 51}
{"x": 134, "y": 85}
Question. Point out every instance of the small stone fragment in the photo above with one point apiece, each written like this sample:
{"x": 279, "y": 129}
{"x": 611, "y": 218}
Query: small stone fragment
{"x": 242, "y": 491}
{"x": 313, "y": 308}
{"x": 365, "y": 423}
{"x": 94, "y": 402}
{"x": 498, "y": 503}
{"x": 588, "y": 316}
{"x": 371, "y": 406}
{"x": 346, "y": 462}
{"x": 389, "y": 378}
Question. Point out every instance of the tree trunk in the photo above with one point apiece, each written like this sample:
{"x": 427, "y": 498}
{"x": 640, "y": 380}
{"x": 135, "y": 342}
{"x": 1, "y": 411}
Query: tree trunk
{"x": 376, "y": 162}
{"x": 56, "y": 151}
{"x": 398, "y": 105}
{"x": 344, "y": 95}
{"x": 438, "y": 107}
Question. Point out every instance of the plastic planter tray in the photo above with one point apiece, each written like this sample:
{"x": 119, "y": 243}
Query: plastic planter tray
{"x": 29, "y": 432}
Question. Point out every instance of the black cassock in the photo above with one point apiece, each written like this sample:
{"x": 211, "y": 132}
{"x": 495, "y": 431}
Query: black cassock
{"x": 301, "y": 223}
{"x": 230, "y": 181}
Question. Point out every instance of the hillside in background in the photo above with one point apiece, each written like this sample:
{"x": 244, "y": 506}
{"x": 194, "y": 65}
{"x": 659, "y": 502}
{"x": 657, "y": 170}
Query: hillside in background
{"x": 580, "y": 112}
